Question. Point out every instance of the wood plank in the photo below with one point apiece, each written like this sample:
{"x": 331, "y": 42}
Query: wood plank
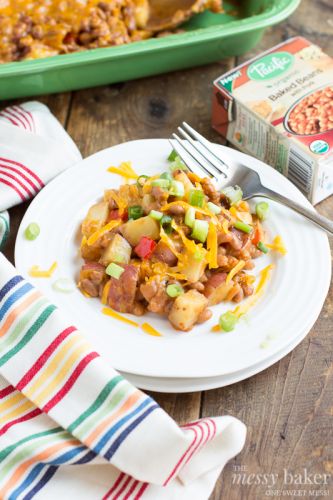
{"x": 152, "y": 107}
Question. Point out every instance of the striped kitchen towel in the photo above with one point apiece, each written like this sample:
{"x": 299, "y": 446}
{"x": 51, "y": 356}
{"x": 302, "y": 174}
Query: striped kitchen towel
{"x": 71, "y": 427}
{"x": 34, "y": 148}
{"x": 4, "y": 227}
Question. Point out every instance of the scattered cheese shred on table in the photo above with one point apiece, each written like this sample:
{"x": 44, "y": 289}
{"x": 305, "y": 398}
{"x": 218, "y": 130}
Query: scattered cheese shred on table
{"x": 35, "y": 272}
{"x": 115, "y": 315}
{"x": 147, "y": 328}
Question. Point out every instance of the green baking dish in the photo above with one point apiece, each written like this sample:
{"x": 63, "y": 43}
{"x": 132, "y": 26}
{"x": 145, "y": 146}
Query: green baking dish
{"x": 208, "y": 37}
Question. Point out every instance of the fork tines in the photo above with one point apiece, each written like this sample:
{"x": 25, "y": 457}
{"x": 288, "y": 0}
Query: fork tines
{"x": 195, "y": 147}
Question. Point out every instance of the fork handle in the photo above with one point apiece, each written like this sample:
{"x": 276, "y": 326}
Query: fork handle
{"x": 314, "y": 217}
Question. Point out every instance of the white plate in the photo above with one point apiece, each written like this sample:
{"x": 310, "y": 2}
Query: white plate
{"x": 182, "y": 385}
{"x": 292, "y": 301}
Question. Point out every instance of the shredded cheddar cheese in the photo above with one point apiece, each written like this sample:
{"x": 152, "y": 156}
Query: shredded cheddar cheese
{"x": 194, "y": 177}
{"x": 215, "y": 328}
{"x": 147, "y": 328}
{"x": 212, "y": 246}
{"x": 84, "y": 241}
{"x": 105, "y": 293}
{"x": 100, "y": 232}
{"x": 121, "y": 202}
{"x": 124, "y": 170}
{"x": 251, "y": 301}
{"x": 168, "y": 241}
{"x": 225, "y": 226}
{"x": 186, "y": 205}
{"x": 235, "y": 270}
{"x": 35, "y": 272}
{"x": 115, "y": 315}
{"x": 242, "y": 309}
{"x": 277, "y": 245}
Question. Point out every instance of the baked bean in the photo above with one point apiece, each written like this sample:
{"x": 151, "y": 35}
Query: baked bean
{"x": 198, "y": 286}
{"x": 176, "y": 210}
{"x": 313, "y": 114}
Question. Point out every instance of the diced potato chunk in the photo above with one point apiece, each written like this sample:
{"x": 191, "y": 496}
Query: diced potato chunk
{"x": 193, "y": 269}
{"x": 216, "y": 288}
{"x": 96, "y": 218}
{"x": 133, "y": 230}
{"x": 118, "y": 250}
{"x": 186, "y": 310}
{"x": 182, "y": 177}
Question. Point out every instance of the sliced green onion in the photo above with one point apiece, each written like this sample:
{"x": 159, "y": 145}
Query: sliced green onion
{"x": 155, "y": 214}
{"x": 177, "y": 189}
{"x": 246, "y": 228}
{"x": 174, "y": 290}
{"x": 166, "y": 219}
{"x": 162, "y": 183}
{"x": 32, "y": 231}
{"x": 228, "y": 321}
{"x": 141, "y": 180}
{"x": 196, "y": 198}
{"x": 190, "y": 217}
{"x": 63, "y": 285}
{"x": 135, "y": 212}
{"x": 166, "y": 175}
{"x": 172, "y": 156}
{"x": 200, "y": 230}
{"x": 166, "y": 223}
{"x": 215, "y": 209}
{"x": 177, "y": 164}
{"x": 262, "y": 209}
{"x": 234, "y": 194}
{"x": 262, "y": 247}
{"x": 114, "y": 270}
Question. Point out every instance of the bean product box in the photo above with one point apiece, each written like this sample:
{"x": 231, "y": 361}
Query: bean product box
{"x": 278, "y": 107}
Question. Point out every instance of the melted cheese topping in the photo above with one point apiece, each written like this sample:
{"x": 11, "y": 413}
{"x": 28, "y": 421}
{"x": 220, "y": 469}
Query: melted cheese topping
{"x": 115, "y": 315}
{"x": 105, "y": 294}
{"x": 212, "y": 246}
{"x": 251, "y": 301}
{"x": 35, "y": 272}
{"x": 100, "y": 232}
{"x": 235, "y": 270}
{"x": 186, "y": 205}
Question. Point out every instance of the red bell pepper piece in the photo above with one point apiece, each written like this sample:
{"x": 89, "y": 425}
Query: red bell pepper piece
{"x": 145, "y": 247}
{"x": 114, "y": 215}
{"x": 258, "y": 235}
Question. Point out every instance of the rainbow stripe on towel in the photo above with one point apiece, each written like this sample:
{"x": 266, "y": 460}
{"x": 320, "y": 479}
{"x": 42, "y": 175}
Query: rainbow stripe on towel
{"x": 54, "y": 377}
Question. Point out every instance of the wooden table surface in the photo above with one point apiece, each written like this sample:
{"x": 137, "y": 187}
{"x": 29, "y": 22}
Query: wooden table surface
{"x": 287, "y": 408}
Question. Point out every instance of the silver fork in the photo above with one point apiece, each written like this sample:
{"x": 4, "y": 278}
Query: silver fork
{"x": 200, "y": 156}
